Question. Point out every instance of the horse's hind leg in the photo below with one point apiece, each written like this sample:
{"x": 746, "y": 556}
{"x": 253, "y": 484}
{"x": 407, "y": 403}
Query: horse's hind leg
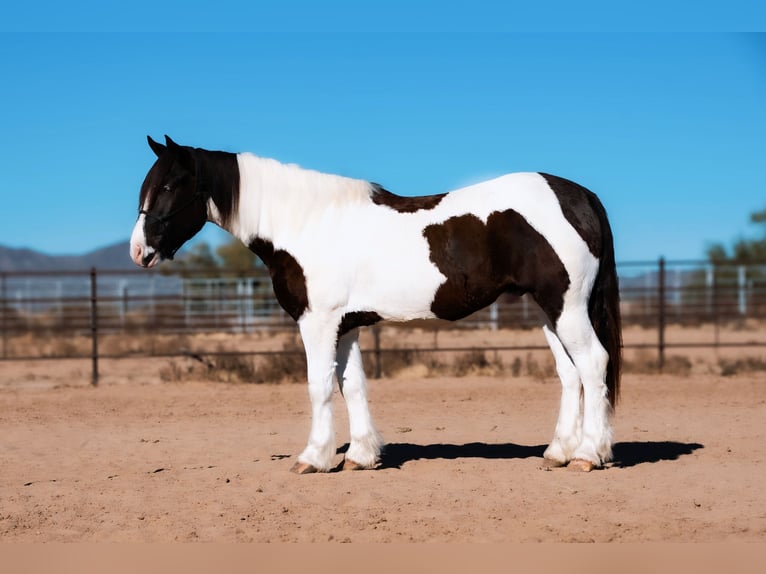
{"x": 568, "y": 431}
{"x": 576, "y": 334}
{"x": 366, "y": 443}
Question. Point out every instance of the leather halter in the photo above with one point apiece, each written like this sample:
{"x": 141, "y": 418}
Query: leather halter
{"x": 164, "y": 219}
{"x": 198, "y": 194}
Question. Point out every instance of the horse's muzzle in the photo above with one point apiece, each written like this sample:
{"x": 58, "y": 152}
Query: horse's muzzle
{"x": 144, "y": 256}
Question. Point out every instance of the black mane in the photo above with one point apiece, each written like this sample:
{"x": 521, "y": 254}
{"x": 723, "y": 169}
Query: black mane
{"x": 218, "y": 174}
{"x": 403, "y": 204}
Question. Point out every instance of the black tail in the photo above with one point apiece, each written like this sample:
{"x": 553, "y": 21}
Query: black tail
{"x": 604, "y": 304}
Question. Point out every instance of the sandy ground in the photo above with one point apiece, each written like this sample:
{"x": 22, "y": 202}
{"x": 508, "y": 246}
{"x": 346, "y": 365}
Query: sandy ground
{"x": 137, "y": 459}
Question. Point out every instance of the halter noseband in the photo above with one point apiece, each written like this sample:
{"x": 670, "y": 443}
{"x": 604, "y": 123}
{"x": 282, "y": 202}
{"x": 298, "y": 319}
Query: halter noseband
{"x": 163, "y": 219}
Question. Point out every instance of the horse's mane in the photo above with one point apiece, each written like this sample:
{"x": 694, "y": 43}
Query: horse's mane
{"x": 219, "y": 178}
{"x": 289, "y": 194}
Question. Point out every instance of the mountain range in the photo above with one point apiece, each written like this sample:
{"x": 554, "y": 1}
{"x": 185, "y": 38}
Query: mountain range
{"x": 112, "y": 257}
{"x": 116, "y": 258}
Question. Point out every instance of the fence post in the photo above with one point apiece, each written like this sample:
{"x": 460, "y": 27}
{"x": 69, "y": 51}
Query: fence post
{"x": 376, "y": 339}
{"x": 124, "y": 305}
{"x": 709, "y": 289}
{"x": 3, "y": 310}
{"x": 715, "y": 307}
{"x": 493, "y": 316}
{"x": 661, "y": 315}
{"x": 741, "y": 284}
{"x": 94, "y": 326}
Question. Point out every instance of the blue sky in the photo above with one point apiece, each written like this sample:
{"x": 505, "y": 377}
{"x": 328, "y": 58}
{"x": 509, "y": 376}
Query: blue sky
{"x": 667, "y": 127}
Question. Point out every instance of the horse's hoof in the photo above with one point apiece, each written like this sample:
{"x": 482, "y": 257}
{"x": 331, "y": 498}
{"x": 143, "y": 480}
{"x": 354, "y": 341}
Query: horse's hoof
{"x": 549, "y": 463}
{"x": 581, "y": 465}
{"x": 349, "y": 464}
{"x": 303, "y": 468}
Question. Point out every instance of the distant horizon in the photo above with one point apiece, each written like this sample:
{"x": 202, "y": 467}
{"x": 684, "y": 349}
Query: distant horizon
{"x": 213, "y": 244}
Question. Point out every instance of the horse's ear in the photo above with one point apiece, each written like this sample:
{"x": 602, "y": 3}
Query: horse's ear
{"x": 157, "y": 148}
{"x": 170, "y": 143}
{"x": 181, "y": 153}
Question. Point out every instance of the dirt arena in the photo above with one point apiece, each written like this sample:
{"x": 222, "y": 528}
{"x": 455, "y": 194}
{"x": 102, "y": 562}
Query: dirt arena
{"x": 142, "y": 459}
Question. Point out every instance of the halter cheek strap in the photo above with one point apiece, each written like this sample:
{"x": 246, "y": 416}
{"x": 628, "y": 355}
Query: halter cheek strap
{"x": 163, "y": 219}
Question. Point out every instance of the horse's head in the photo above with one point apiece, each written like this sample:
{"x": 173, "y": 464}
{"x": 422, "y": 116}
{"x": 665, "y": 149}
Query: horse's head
{"x": 172, "y": 207}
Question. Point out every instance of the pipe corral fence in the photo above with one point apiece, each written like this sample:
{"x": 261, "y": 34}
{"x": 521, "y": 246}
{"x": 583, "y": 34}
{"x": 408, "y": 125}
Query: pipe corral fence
{"x": 98, "y": 303}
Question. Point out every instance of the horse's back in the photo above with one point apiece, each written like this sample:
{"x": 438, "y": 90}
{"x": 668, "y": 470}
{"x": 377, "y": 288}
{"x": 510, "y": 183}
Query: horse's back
{"x": 561, "y": 211}
{"x": 508, "y": 234}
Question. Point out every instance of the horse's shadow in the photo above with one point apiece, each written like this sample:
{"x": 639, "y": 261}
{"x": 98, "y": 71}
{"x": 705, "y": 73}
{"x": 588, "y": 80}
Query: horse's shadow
{"x": 626, "y": 454}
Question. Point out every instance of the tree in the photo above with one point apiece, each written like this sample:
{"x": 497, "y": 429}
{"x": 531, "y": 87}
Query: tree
{"x": 743, "y": 250}
{"x": 740, "y": 266}
{"x": 198, "y": 258}
{"x": 231, "y": 256}
{"x": 234, "y": 256}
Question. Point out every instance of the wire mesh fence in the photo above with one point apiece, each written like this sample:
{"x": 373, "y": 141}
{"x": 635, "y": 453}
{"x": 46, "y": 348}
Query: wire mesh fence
{"x": 73, "y": 312}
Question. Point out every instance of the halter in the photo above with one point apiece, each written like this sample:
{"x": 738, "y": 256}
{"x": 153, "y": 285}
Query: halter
{"x": 164, "y": 219}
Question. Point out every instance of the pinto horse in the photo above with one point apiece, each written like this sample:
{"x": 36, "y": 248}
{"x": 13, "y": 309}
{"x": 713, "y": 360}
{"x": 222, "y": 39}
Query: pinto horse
{"x": 345, "y": 253}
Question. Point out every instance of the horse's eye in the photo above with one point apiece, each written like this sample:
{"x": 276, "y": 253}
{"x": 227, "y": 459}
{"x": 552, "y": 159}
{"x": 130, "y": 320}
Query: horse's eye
{"x": 166, "y": 188}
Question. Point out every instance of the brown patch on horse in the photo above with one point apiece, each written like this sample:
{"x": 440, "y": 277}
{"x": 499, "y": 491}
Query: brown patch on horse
{"x": 577, "y": 206}
{"x": 381, "y": 196}
{"x": 287, "y": 277}
{"x": 354, "y": 319}
{"x": 482, "y": 261}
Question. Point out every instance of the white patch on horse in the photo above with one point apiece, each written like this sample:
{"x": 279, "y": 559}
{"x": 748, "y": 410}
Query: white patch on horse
{"x": 140, "y": 252}
{"x": 342, "y": 241}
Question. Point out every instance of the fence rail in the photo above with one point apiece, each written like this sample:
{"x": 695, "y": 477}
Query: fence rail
{"x": 94, "y": 304}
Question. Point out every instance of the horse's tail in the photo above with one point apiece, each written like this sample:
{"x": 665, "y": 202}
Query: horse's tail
{"x": 604, "y": 304}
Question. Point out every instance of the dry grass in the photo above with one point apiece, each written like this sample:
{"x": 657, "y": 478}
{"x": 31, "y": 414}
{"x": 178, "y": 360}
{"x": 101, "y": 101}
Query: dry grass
{"x": 646, "y": 362}
{"x": 286, "y": 366}
{"x": 411, "y": 362}
{"x": 290, "y": 366}
{"x": 274, "y": 357}
{"x": 731, "y": 367}
{"x": 224, "y": 368}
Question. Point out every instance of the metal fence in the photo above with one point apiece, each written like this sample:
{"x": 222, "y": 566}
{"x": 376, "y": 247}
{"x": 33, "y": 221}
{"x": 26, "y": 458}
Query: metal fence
{"x": 94, "y": 304}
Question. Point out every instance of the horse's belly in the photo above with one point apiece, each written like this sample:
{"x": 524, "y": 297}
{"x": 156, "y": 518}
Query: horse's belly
{"x": 400, "y": 290}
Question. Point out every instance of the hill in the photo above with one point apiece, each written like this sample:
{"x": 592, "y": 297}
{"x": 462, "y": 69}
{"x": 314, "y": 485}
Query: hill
{"x": 111, "y": 257}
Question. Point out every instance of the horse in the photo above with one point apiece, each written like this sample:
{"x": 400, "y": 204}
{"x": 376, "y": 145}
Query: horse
{"x": 345, "y": 253}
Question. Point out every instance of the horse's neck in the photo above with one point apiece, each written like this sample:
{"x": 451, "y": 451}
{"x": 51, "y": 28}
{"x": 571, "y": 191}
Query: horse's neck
{"x": 277, "y": 199}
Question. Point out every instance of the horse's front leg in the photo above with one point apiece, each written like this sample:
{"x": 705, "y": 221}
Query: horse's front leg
{"x": 365, "y": 444}
{"x": 319, "y": 333}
